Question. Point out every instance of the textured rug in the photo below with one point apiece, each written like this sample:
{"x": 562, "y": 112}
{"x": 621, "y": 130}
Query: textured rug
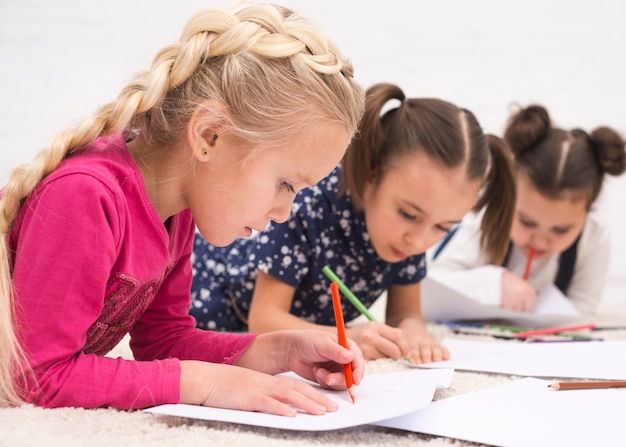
{"x": 33, "y": 426}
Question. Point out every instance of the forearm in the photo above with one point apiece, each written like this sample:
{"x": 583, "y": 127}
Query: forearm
{"x": 267, "y": 353}
{"x": 92, "y": 381}
{"x": 279, "y": 319}
{"x": 403, "y": 318}
{"x": 404, "y": 305}
{"x": 413, "y": 325}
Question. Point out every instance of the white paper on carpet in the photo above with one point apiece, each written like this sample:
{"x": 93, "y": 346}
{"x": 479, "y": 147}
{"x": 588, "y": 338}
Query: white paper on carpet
{"x": 380, "y": 396}
{"x": 588, "y": 359}
{"x": 524, "y": 413}
{"x": 442, "y": 303}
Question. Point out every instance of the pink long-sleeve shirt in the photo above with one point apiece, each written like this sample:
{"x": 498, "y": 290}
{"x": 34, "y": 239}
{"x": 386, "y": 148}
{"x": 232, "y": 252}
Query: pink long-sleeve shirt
{"x": 91, "y": 262}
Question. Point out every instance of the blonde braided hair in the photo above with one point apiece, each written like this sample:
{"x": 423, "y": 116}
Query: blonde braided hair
{"x": 264, "y": 63}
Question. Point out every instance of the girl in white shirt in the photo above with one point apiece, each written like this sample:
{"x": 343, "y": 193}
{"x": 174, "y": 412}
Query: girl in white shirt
{"x": 558, "y": 233}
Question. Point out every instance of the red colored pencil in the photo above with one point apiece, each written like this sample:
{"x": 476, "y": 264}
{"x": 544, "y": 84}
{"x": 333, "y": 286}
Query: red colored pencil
{"x": 341, "y": 334}
{"x": 531, "y": 255}
{"x": 553, "y": 330}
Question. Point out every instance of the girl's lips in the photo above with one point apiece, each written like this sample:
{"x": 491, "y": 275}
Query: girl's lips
{"x": 399, "y": 254}
{"x": 540, "y": 253}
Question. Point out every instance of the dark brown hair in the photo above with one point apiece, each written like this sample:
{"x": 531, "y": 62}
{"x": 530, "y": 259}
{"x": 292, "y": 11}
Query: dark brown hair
{"x": 559, "y": 161}
{"x": 448, "y": 135}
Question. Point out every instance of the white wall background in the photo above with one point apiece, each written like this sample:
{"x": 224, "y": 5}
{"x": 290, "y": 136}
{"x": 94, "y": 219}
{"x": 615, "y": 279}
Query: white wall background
{"x": 60, "y": 59}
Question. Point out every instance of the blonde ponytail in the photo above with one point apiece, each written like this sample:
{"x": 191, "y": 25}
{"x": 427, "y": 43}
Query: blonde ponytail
{"x": 264, "y": 63}
{"x": 13, "y": 358}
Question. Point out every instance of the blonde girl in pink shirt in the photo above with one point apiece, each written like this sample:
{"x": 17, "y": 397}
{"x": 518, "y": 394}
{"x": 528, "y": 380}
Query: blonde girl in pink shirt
{"x": 229, "y": 123}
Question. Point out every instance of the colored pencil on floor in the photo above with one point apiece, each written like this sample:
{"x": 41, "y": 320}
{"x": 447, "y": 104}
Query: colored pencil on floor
{"x": 587, "y": 385}
{"x": 554, "y": 330}
{"x": 561, "y": 340}
{"x": 341, "y": 334}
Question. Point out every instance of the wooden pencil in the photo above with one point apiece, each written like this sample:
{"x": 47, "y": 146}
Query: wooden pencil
{"x": 341, "y": 335}
{"x": 587, "y": 385}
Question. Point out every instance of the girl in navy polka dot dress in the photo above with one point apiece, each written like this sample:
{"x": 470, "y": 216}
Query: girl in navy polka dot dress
{"x": 408, "y": 178}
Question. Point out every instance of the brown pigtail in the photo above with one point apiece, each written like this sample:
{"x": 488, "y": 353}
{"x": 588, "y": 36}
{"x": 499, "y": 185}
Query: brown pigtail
{"x": 498, "y": 197}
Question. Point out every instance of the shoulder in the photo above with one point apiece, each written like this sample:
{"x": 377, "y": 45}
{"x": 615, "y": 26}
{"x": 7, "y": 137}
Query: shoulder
{"x": 105, "y": 164}
{"x": 462, "y": 242}
{"x": 598, "y": 228}
{"x": 468, "y": 229}
{"x": 319, "y": 198}
{"x": 97, "y": 184}
{"x": 329, "y": 185}
{"x": 327, "y": 188}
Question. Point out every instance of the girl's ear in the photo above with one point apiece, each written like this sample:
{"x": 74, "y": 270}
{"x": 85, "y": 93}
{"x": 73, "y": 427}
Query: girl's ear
{"x": 204, "y": 127}
{"x": 372, "y": 177}
{"x": 370, "y": 185}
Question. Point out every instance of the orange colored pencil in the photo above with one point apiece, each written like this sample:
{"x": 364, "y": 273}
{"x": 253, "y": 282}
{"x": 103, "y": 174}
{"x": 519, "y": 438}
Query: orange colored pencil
{"x": 587, "y": 385}
{"x": 531, "y": 255}
{"x": 341, "y": 334}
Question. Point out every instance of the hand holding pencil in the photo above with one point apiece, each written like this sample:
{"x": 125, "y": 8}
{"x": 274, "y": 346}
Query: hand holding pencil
{"x": 517, "y": 294}
{"x": 410, "y": 342}
{"x": 341, "y": 334}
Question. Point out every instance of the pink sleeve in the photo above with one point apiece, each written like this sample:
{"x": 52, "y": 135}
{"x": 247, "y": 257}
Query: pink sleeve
{"x": 167, "y": 330}
{"x": 66, "y": 241}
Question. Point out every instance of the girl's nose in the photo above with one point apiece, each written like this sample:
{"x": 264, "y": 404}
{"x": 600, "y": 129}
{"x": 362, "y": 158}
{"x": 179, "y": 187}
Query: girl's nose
{"x": 281, "y": 212}
{"x": 418, "y": 240}
{"x": 540, "y": 242}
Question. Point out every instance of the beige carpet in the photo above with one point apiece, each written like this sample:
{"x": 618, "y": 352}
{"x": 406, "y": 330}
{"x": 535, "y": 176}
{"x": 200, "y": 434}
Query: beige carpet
{"x": 33, "y": 426}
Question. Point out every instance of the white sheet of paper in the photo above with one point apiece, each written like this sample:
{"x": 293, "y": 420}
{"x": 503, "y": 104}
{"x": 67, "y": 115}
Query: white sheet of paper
{"x": 524, "y": 413}
{"x": 441, "y": 303}
{"x": 551, "y": 301}
{"x": 380, "y": 396}
{"x": 589, "y": 359}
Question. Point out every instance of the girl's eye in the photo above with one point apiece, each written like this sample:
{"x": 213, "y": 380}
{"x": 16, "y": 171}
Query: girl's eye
{"x": 286, "y": 186}
{"x": 406, "y": 215}
{"x": 560, "y": 231}
{"x": 527, "y": 223}
{"x": 444, "y": 229}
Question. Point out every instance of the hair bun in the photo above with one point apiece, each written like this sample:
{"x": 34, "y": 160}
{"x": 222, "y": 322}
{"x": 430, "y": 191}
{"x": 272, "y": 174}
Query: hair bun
{"x": 610, "y": 148}
{"x": 526, "y": 128}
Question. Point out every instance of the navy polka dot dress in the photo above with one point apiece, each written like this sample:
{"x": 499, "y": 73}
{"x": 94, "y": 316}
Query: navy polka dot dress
{"x": 324, "y": 229}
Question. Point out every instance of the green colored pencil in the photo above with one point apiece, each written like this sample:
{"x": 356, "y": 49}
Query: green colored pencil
{"x": 351, "y": 296}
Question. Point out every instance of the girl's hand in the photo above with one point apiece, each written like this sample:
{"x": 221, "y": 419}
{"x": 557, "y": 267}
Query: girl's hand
{"x": 424, "y": 348}
{"x": 233, "y": 387}
{"x": 378, "y": 340}
{"x": 312, "y": 354}
{"x": 317, "y": 356}
{"x": 517, "y": 294}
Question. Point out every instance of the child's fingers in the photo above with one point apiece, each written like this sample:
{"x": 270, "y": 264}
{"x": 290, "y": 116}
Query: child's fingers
{"x": 357, "y": 363}
{"x": 389, "y": 342}
{"x": 330, "y": 349}
{"x": 428, "y": 352}
{"x": 307, "y": 398}
{"x": 284, "y": 397}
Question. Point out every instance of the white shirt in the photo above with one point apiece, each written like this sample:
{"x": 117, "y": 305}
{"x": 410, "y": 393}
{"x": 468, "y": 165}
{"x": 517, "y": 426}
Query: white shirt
{"x": 462, "y": 266}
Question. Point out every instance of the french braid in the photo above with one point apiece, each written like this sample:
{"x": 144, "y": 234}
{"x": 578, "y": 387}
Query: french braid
{"x": 263, "y": 62}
